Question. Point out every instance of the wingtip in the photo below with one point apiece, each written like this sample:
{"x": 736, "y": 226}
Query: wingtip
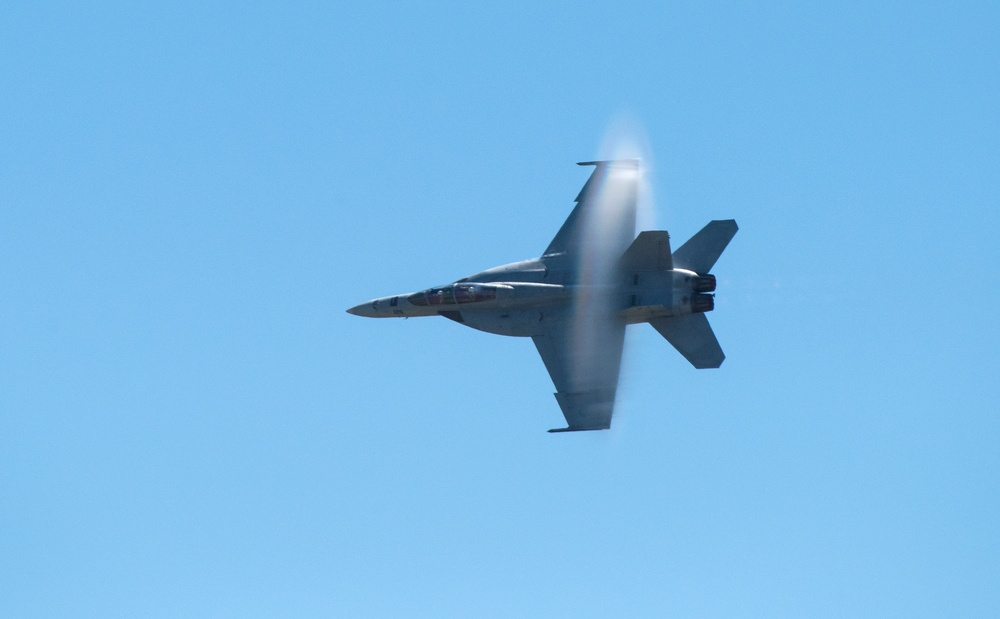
{"x": 633, "y": 163}
{"x": 557, "y": 430}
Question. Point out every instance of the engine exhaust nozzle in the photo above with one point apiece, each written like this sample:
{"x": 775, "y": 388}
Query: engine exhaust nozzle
{"x": 702, "y": 303}
{"x": 704, "y": 283}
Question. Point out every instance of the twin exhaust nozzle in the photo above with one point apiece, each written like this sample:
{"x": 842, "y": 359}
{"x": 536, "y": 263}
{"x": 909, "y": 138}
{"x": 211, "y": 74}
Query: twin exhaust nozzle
{"x": 701, "y": 302}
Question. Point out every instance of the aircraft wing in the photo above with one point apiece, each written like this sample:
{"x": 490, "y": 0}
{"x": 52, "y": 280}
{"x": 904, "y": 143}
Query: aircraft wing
{"x": 584, "y": 364}
{"x": 606, "y": 207}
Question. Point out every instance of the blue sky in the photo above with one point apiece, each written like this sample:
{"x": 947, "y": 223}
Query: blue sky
{"x": 192, "y": 426}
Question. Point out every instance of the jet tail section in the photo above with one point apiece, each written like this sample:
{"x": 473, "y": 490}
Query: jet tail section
{"x": 701, "y": 251}
{"x": 692, "y": 336}
{"x": 649, "y": 250}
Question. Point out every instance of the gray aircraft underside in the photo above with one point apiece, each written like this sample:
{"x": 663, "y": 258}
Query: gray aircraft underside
{"x": 574, "y": 302}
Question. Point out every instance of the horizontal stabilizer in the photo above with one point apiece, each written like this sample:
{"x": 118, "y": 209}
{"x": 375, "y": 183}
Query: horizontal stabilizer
{"x": 692, "y": 336}
{"x": 703, "y": 249}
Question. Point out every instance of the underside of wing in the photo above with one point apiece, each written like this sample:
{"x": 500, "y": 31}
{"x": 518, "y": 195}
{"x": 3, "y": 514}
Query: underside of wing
{"x": 584, "y": 363}
{"x": 604, "y": 215}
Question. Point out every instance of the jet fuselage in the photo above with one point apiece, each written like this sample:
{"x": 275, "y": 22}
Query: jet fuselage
{"x": 513, "y": 299}
{"x": 593, "y": 279}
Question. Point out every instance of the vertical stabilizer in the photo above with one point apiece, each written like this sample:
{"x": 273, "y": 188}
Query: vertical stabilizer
{"x": 649, "y": 250}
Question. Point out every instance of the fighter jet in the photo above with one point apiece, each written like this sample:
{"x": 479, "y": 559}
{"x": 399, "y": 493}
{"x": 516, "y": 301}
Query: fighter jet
{"x": 574, "y": 302}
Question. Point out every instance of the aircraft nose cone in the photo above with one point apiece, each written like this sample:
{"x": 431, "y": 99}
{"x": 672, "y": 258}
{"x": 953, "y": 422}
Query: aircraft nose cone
{"x": 360, "y": 310}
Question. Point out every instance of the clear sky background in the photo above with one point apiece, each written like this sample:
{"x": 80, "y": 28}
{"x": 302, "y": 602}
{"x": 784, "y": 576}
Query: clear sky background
{"x": 191, "y": 426}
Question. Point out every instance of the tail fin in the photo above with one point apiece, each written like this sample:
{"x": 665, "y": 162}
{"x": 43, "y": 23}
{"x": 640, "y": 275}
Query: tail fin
{"x": 692, "y": 336}
{"x": 703, "y": 249}
{"x": 649, "y": 250}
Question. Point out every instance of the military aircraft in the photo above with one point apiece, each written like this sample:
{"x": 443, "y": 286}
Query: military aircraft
{"x": 574, "y": 302}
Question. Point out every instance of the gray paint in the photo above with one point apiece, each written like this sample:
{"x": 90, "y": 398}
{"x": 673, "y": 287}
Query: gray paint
{"x": 577, "y": 318}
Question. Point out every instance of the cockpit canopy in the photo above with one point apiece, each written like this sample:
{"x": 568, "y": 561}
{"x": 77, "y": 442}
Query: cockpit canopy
{"x": 454, "y": 294}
